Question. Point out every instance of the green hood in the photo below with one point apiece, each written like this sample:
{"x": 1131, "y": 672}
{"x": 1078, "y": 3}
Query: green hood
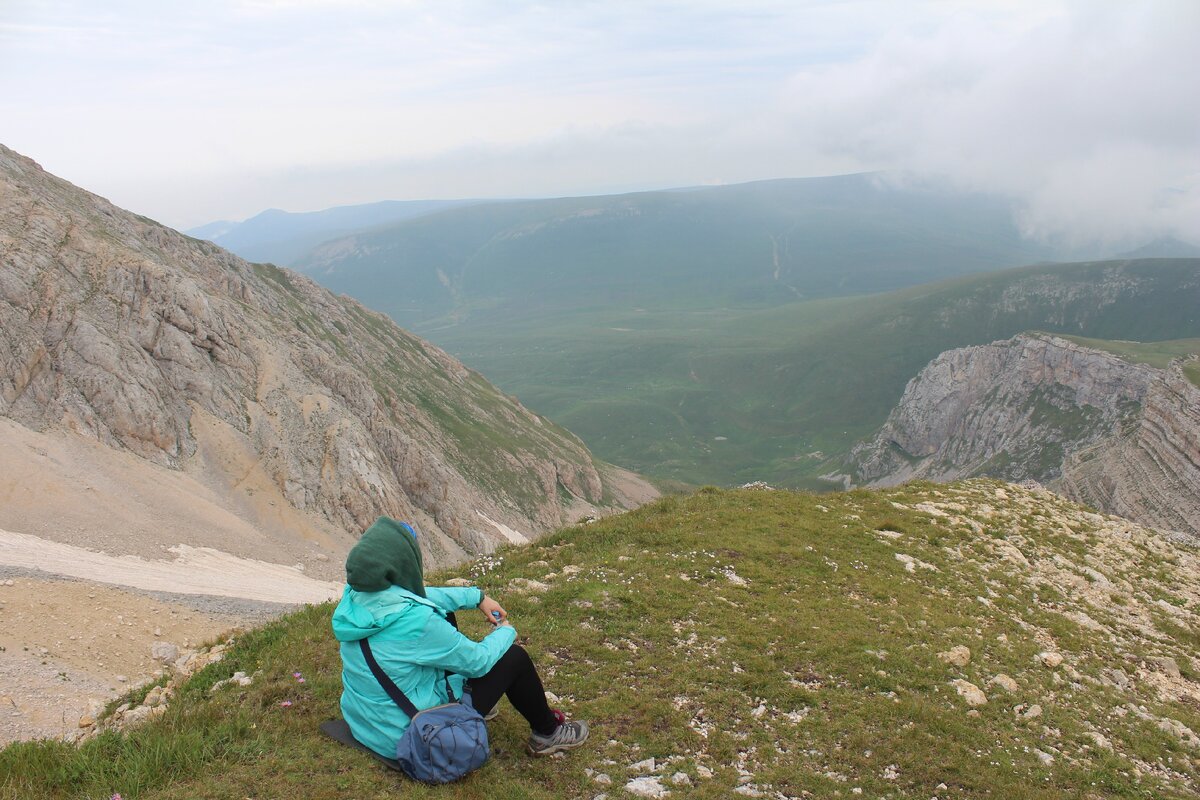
{"x": 386, "y": 555}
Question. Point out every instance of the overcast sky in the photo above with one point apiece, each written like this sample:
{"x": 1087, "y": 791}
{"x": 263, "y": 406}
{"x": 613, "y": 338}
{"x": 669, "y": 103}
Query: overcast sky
{"x": 1086, "y": 112}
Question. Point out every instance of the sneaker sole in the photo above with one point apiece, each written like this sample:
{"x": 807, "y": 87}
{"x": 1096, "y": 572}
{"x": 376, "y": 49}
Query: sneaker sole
{"x": 556, "y": 748}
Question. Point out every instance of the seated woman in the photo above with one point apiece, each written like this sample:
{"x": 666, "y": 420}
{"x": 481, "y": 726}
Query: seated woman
{"x": 415, "y": 639}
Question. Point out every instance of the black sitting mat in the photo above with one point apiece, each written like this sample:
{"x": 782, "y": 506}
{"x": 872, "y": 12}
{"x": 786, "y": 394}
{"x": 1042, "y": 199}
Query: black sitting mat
{"x": 339, "y": 731}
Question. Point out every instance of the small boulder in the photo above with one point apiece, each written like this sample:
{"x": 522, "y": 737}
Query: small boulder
{"x": 958, "y": 656}
{"x": 1115, "y": 677}
{"x": 459, "y": 582}
{"x": 164, "y": 652}
{"x": 1004, "y": 682}
{"x": 526, "y": 586}
{"x": 646, "y": 787}
{"x": 1049, "y": 658}
{"x": 970, "y": 692}
{"x": 1167, "y": 666}
{"x": 1180, "y": 731}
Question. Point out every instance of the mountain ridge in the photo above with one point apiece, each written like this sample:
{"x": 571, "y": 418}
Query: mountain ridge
{"x": 282, "y": 237}
{"x": 757, "y": 243}
{"x": 262, "y": 385}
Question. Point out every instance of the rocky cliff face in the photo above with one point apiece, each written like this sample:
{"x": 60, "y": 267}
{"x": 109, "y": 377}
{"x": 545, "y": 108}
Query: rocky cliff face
{"x": 1152, "y": 473}
{"x": 1120, "y": 436}
{"x": 253, "y": 379}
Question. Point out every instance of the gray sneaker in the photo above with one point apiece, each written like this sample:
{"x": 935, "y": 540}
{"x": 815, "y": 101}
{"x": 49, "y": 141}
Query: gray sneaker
{"x": 491, "y": 715}
{"x": 567, "y": 736}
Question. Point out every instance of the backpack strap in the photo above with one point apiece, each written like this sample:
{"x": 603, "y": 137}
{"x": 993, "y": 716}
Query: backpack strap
{"x": 389, "y": 686}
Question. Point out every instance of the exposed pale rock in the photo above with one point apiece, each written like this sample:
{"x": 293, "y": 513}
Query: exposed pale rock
{"x": 155, "y": 697}
{"x": 1005, "y": 682}
{"x": 911, "y": 564}
{"x": 957, "y": 656}
{"x": 1115, "y": 677}
{"x": 165, "y": 652}
{"x": 238, "y": 678}
{"x": 527, "y": 586}
{"x": 1122, "y": 437}
{"x": 646, "y": 787}
{"x": 459, "y": 582}
{"x": 174, "y": 350}
{"x": 1050, "y": 658}
{"x": 1180, "y": 731}
{"x": 969, "y": 692}
{"x": 1167, "y": 666}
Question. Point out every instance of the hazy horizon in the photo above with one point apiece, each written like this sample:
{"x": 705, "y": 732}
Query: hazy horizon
{"x": 191, "y": 113}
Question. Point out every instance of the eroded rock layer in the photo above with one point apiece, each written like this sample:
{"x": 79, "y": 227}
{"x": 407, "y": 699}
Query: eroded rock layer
{"x": 262, "y": 384}
{"x": 1120, "y": 436}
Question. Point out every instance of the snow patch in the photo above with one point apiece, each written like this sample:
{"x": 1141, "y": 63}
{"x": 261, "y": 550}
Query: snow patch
{"x": 516, "y": 537}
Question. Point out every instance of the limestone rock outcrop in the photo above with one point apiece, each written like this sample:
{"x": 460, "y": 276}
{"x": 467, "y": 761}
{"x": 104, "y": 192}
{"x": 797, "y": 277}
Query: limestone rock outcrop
{"x": 258, "y": 380}
{"x": 1123, "y": 437}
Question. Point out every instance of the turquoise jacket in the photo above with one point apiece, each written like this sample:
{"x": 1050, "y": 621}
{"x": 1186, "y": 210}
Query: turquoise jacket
{"x": 414, "y": 644}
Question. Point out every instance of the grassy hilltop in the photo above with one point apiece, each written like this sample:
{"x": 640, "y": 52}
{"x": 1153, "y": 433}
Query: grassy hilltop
{"x": 769, "y": 643}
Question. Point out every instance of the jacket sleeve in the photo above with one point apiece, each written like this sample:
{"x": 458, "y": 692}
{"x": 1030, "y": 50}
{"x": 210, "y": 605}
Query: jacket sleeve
{"x": 454, "y": 598}
{"x": 443, "y": 647}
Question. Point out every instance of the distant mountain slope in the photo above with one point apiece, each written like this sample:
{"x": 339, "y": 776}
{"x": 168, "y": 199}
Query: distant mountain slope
{"x": 729, "y": 396}
{"x": 305, "y": 414}
{"x": 970, "y": 641}
{"x": 282, "y": 237}
{"x": 1167, "y": 247}
{"x": 760, "y": 243}
{"x": 1121, "y": 436}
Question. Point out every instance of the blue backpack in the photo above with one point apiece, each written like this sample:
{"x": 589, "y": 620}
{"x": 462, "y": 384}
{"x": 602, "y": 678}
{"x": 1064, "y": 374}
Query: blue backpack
{"x": 443, "y": 743}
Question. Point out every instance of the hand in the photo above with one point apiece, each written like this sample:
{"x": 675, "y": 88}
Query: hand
{"x": 492, "y": 610}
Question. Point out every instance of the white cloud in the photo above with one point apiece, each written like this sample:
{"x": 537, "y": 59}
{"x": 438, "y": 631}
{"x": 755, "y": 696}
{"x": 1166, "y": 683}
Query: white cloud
{"x": 1085, "y": 117}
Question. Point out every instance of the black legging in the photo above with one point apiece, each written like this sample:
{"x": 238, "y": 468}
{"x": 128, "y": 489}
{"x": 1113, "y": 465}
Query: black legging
{"x": 515, "y": 675}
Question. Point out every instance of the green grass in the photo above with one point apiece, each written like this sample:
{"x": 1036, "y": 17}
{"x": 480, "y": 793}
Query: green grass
{"x": 692, "y": 335}
{"x": 790, "y": 389}
{"x": 1192, "y": 371}
{"x": 1156, "y": 354}
{"x": 683, "y": 617}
